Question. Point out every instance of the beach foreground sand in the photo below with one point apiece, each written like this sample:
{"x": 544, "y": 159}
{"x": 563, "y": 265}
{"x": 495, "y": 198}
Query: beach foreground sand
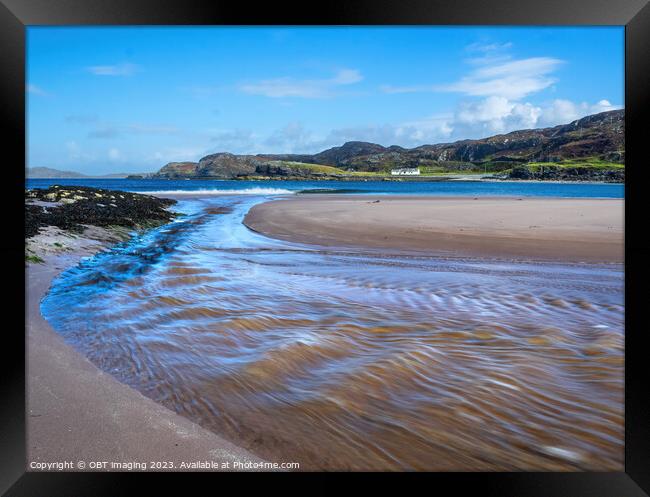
{"x": 589, "y": 230}
{"x": 75, "y": 412}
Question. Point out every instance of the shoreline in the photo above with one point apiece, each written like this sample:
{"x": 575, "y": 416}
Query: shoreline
{"x": 523, "y": 228}
{"x": 77, "y": 412}
{"x": 422, "y": 179}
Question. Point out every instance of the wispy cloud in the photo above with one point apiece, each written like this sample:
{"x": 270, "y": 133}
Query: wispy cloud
{"x": 235, "y": 140}
{"x": 36, "y": 90}
{"x": 482, "y": 54}
{"x": 124, "y": 69}
{"x": 292, "y": 137}
{"x": 406, "y": 89}
{"x": 176, "y": 154}
{"x": 114, "y": 154}
{"x": 105, "y": 132}
{"x": 488, "y": 47}
{"x": 512, "y": 79}
{"x": 562, "y": 111}
{"x": 303, "y": 88}
{"x": 77, "y": 153}
{"x": 82, "y": 118}
{"x": 154, "y": 129}
{"x": 108, "y": 130}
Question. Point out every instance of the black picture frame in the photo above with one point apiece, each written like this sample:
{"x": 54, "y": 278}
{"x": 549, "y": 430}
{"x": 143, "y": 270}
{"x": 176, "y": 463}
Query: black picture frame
{"x": 15, "y": 15}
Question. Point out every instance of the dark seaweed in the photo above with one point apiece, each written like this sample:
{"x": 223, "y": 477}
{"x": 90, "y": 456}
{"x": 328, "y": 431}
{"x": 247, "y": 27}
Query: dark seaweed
{"x": 92, "y": 206}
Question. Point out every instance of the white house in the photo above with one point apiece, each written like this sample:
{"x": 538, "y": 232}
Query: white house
{"x": 405, "y": 171}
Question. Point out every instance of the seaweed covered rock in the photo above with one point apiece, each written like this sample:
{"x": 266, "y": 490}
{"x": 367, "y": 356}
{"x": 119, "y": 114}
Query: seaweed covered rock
{"x": 557, "y": 173}
{"x": 72, "y": 208}
{"x": 521, "y": 172}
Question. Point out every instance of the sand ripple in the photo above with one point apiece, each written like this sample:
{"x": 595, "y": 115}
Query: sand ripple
{"x": 353, "y": 360}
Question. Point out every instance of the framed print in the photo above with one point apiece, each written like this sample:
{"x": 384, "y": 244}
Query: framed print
{"x": 387, "y": 238}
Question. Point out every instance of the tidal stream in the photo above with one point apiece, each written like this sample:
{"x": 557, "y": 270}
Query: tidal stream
{"x": 357, "y": 359}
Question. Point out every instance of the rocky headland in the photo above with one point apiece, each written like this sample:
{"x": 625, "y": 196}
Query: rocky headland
{"x": 588, "y": 149}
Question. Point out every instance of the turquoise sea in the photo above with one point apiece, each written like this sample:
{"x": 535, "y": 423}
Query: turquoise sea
{"x": 460, "y": 188}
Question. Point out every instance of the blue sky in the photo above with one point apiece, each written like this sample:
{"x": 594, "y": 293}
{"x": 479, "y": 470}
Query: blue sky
{"x": 114, "y": 99}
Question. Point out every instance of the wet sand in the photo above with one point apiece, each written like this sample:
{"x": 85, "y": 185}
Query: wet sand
{"x": 358, "y": 359}
{"x": 75, "y": 412}
{"x": 589, "y": 230}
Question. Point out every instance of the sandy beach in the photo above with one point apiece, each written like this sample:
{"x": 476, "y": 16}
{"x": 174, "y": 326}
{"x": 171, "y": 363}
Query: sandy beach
{"x": 204, "y": 338}
{"x": 75, "y": 412}
{"x": 589, "y": 230}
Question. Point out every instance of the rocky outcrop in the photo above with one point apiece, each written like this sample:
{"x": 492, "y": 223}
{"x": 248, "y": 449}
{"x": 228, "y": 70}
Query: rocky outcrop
{"x": 73, "y": 207}
{"x": 279, "y": 168}
{"x": 557, "y": 173}
{"x": 225, "y": 166}
{"x": 343, "y": 155}
{"x": 600, "y": 137}
{"x": 178, "y": 170}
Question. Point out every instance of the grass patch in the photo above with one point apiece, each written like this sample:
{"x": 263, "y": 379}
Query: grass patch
{"x": 597, "y": 164}
{"x": 365, "y": 173}
{"x": 320, "y": 169}
{"x": 312, "y": 168}
{"x": 34, "y": 259}
{"x": 582, "y": 164}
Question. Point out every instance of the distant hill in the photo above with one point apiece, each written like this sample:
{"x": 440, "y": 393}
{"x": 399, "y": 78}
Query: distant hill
{"x": 49, "y": 173}
{"x": 595, "y": 142}
{"x": 599, "y": 136}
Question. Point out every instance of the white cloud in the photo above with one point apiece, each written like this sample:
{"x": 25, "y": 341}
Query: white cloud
{"x": 564, "y": 111}
{"x": 295, "y": 138}
{"x": 303, "y": 88}
{"x": 405, "y": 89}
{"x": 36, "y": 90}
{"x": 495, "y": 75}
{"x": 76, "y": 153}
{"x": 346, "y": 77}
{"x": 495, "y": 115}
{"x": 483, "y": 54}
{"x": 73, "y": 149}
{"x": 292, "y": 137}
{"x": 104, "y": 132}
{"x": 234, "y": 141}
{"x": 176, "y": 154}
{"x": 114, "y": 154}
{"x": 499, "y": 86}
{"x": 408, "y": 134}
{"x": 514, "y": 79}
{"x": 107, "y": 130}
{"x": 488, "y": 47}
{"x": 125, "y": 69}
{"x": 153, "y": 129}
